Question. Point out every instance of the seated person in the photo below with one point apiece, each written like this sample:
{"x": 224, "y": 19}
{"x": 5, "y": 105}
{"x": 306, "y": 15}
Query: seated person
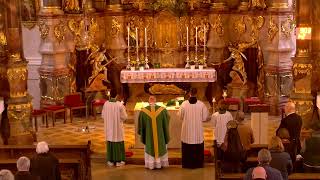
{"x": 280, "y": 160}
{"x": 233, "y": 153}
{"x": 259, "y": 173}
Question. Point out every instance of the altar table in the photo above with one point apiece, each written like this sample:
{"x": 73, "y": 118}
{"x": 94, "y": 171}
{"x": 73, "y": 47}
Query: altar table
{"x": 198, "y": 78}
{"x": 168, "y": 75}
{"x": 175, "y": 125}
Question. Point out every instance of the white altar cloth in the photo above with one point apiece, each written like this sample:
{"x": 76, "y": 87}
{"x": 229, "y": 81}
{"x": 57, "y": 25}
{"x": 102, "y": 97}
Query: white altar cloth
{"x": 175, "y": 125}
{"x": 168, "y": 75}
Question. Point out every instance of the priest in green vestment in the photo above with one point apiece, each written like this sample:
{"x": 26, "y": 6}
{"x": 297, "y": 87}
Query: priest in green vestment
{"x": 153, "y": 128}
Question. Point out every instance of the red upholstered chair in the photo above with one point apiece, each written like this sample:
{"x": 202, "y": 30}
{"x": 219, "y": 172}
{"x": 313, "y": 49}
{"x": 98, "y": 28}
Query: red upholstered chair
{"x": 250, "y": 101}
{"x": 38, "y": 113}
{"x": 55, "y": 109}
{"x": 233, "y": 101}
{"x": 129, "y": 154}
{"x": 96, "y": 103}
{"x": 73, "y": 102}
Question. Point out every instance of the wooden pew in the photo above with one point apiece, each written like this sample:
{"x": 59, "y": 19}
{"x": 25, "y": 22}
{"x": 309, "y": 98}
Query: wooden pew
{"x": 74, "y": 160}
{"x": 254, "y": 151}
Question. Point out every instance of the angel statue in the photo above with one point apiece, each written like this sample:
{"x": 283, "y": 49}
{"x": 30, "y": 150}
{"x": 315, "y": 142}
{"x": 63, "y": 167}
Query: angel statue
{"x": 72, "y": 6}
{"x": 238, "y": 64}
{"x": 96, "y": 59}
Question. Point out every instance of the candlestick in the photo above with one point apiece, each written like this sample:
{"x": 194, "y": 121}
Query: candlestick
{"x": 204, "y": 46}
{"x": 196, "y": 37}
{"x": 187, "y": 60}
{"x": 146, "y": 65}
{"x": 128, "y": 63}
{"x": 137, "y": 46}
{"x": 196, "y": 56}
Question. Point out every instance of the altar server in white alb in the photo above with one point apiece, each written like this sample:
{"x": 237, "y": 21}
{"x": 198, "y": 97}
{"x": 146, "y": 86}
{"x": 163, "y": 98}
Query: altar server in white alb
{"x": 192, "y": 112}
{"x": 113, "y": 114}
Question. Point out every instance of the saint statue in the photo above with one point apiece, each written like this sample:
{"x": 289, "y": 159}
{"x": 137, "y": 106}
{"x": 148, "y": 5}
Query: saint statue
{"x": 71, "y": 6}
{"x": 96, "y": 59}
{"x": 258, "y": 4}
{"x": 237, "y": 55}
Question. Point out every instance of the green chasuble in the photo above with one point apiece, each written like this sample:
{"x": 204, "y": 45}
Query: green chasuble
{"x": 153, "y": 128}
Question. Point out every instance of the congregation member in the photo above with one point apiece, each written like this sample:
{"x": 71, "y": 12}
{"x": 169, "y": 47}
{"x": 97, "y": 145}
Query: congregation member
{"x": 219, "y": 120}
{"x": 280, "y": 160}
{"x": 153, "y": 128}
{"x": 6, "y": 174}
{"x": 233, "y": 151}
{"x": 264, "y": 159}
{"x": 245, "y": 131}
{"x": 23, "y": 166}
{"x": 114, "y": 114}
{"x": 293, "y": 123}
{"x": 259, "y": 173}
{"x": 44, "y": 164}
{"x": 192, "y": 112}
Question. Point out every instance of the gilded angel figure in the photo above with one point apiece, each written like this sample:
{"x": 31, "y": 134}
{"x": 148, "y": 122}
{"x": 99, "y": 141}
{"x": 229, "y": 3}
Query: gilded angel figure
{"x": 71, "y": 6}
{"x": 96, "y": 59}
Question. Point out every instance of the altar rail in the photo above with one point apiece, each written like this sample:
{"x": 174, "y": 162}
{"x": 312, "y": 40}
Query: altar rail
{"x": 74, "y": 160}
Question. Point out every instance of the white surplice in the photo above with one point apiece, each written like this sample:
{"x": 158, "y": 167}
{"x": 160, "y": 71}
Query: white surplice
{"x": 113, "y": 114}
{"x": 192, "y": 116}
{"x": 219, "y": 122}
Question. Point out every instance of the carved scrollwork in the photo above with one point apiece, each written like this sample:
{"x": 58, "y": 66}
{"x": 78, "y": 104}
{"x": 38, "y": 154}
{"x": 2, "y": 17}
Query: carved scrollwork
{"x": 17, "y": 76}
{"x": 60, "y": 30}
{"x": 303, "y": 107}
{"x": 44, "y": 29}
{"x": 302, "y": 69}
{"x": 217, "y": 26}
{"x": 3, "y": 39}
{"x": 115, "y": 27}
{"x": 256, "y": 24}
{"x": 239, "y": 25}
{"x": 272, "y": 29}
{"x": 287, "y": 26}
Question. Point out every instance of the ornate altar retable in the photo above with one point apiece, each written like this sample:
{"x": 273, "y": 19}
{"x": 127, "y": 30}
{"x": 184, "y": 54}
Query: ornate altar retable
{"x": 198, "y": 78}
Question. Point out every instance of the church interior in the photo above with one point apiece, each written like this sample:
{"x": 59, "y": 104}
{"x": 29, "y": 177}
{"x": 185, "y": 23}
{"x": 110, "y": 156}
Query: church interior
{"x": 60, "y": 59}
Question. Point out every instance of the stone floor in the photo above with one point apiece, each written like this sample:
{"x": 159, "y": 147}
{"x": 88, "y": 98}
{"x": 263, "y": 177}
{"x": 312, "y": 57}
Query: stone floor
{"x": 100, "y": 171}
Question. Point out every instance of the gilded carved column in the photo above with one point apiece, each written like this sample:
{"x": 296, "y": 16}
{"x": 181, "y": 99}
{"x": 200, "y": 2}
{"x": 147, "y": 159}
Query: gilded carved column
{"x": 54, "y": 72}
{"x": 219, "y": 5}
{"x": 303, "y": 66}
{"x": 19, "y": 102}
{"x": 279, "y": 47}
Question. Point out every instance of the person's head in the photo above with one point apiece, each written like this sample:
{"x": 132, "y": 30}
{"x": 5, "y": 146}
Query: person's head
{"x": 152, "y": 100}
{"x": 6, "y": 174}
{"x": 193, "y": 92}
{"x": 42, "y": 147}
{"x": 113, "y": 93}
{"x": 222, "y": 106}
{"x": 240, "y": 116}
{"x": 264, "y": 156}
{"x": 275, "y": 144}
{"x": 259, "y": 173}
{"x": 290, "y": 107}
{"x": 23, "y": 164}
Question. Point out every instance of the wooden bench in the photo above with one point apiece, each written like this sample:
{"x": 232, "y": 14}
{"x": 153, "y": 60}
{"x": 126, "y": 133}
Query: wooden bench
{"x": 294, "y": 176}
{"x": 74, "y": 160}
{"x": 253, "y": 160}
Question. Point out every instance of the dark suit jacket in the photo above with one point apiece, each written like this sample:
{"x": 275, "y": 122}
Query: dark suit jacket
{"x": 46, "y": 166}
{"x": 293, "y": 123}
{"x": 282, "y": 162}
{"x": 272, "y": 173}
{"x": 25, "y": 175}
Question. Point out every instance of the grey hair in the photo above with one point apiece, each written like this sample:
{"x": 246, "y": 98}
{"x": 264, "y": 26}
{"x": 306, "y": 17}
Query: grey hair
{"x": 264, "y": 156}
{"x": 42, "y": 147}
{"x": 23, "y": 164}
{"x": 6, "y": 174}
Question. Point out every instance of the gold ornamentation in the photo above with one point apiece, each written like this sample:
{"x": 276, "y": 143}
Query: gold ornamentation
{"x": 59, "y": 31}
{"x": 193, "y": 3}
{"x": 239, "y": 25}
{"x": 218, "y": 26}
{"x": 303, "y": 107}
{"x": 165, "y": 89}
{"x": 29, "y": 24}
{"x": 302, "y": 69}
{"x": 71, "y": 6}
{"x": 115, "y": 27}
{"x": 140, "y": 4}
{"x": 287, "y": 26}
{"x": 256, "y": 24}
{"x": 3, "y": 39}
{"x": 16, "y": 77}
{"x": 258, "y": 4}
{"x": 44, "y": 29}
{"x": 273, "y": 29}
{"x": 21, "y": 112}
{"x": 15, "y": 57}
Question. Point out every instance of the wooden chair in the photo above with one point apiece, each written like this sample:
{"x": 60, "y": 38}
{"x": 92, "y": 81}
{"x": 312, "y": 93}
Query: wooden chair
{"x": 74, "y": 102}
{"x": 38, "y": 113}
{"x": 96, "y": 103}
{"x": 55, "y": 109}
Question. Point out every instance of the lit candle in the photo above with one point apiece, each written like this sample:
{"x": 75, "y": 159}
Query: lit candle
{"x": 177, "y": 103}
{"x": 128, "y": 40}
{"x": 187, "y": 38}
{"x": 137, "y": 39}
{"x": 204, "y": 42}
{"x": 196, "y": 36}
{"x": 145, "y": 38}
{"x": 213, "y": 100}
{"x": 108, "y": 93}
